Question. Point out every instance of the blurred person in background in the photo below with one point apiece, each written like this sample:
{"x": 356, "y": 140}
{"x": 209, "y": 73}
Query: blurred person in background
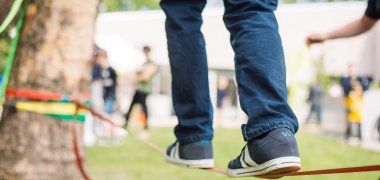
{"x": 314, "y": 99}
{"x": 347, "y": 84}
{"x": 221, "y": 96}
{"x": 95, "y": 66}
{"x": 144, "y": 87}
{"x": 109, "y": 81}
{"x": 96, "y": 81}
{"x": 353, "y": 76}
{"x": 354, "y": 104}
{"x": 357, "y": 27}
{"x": 96, "y": 129}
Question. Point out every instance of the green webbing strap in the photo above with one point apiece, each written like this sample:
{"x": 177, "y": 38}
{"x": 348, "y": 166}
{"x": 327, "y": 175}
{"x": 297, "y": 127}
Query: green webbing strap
{"x": 12, "y": 13}
{"x": 13, "y": 47}
{"x": 64, "y": 117}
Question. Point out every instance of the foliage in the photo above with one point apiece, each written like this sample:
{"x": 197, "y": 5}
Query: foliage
{"x": 327, "y": 80}
{"x": 133, "y": 5}
{"x": 128, "y": 5}
{"x": 5, "y": 42}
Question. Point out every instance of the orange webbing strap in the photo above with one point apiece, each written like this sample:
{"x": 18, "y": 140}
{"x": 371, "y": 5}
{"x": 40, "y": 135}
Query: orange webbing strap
{"x": 34, "y": 94}
{"x": 101, "y": 116}
{"x": 78, "y": 159}
{"x": 327, "y": 171}
{"x": 153, "y": 146}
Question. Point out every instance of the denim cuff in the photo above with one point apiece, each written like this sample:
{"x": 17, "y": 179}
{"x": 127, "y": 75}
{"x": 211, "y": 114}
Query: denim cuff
{"x": 197, "y": 138}
{"x": 252, "y": 132}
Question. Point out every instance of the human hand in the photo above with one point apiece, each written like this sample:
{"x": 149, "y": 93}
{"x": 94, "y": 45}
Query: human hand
{"x": 315, "y": 38}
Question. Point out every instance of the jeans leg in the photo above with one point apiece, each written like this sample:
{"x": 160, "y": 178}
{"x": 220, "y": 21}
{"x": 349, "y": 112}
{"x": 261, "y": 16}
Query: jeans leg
{"x": 309, "y": 115}
{"x": 318, "y": 112}
{"x": 109, "y": 103}
{"x": 134, "y": 101}
{"x": 348, "y": 131}
{"x": 187, "y": 54}
{"x": 145, "y": 108}
{"x": 142, "y": 102}
{"x": 260, "y": 66}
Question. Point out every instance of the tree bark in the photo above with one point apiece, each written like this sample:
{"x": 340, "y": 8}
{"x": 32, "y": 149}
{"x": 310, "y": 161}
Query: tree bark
{"x": 5, "y": 6}
{"x": 53, "y": 55}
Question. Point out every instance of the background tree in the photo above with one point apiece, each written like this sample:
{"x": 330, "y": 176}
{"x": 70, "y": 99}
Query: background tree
{"x": 4, "y": 38}
{"x": 53, "y": 55}
{"x": 4, "y": 8}
{"x": 133, "y": 5}
{"x": 129, "y": 5}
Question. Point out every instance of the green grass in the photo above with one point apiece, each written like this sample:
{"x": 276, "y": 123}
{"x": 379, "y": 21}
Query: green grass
{"x": 135, "y": 160}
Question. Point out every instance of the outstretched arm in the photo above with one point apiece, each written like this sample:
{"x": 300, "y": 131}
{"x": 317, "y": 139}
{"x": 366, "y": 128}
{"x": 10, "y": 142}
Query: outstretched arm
{"x": 352, "y": 29}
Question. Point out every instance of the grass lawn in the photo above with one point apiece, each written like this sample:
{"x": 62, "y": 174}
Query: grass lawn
{"x": 135, "y": 160}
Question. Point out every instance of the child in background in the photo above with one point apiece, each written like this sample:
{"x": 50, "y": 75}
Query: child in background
{"x": 221, "y": 96}
{"x": 109, "y": 80}
{"x": 314, "y": 99}
{"x": 109, "y": 83}
{"x": 354, "y": 103}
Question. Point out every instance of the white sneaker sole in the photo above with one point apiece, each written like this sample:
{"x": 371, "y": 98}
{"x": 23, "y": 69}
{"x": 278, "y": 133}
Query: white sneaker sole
{"x": 275, "y": 166}
{"x": 202, "y": 163}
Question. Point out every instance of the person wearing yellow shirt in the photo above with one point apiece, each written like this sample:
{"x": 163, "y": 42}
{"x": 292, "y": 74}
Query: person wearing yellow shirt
{"x": 354, "y": 104}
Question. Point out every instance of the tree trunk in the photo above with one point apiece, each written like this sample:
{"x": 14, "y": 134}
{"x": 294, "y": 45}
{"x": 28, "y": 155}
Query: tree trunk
{"x": 5, "y": 6}
{"x": 53, "y": 55}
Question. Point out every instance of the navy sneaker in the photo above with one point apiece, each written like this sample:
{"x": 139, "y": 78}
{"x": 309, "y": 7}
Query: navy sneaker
{"x": 193, "y": 155}
{"x": 273, "y": 153}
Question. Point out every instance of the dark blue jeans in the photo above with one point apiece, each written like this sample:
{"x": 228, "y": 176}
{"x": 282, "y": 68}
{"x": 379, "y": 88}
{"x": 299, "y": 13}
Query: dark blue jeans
{"x": 109, "y": 103}
{"x": 259, "y": 63}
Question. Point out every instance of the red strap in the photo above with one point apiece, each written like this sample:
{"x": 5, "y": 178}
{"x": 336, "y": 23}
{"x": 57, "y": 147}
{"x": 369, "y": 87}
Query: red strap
{"x": 78, "y": 159}
{"x": 100, "y": 115}
{"x": 34, "y": 94}
{"x": 153, "y": 146}
{"x": 327, "y": 171}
